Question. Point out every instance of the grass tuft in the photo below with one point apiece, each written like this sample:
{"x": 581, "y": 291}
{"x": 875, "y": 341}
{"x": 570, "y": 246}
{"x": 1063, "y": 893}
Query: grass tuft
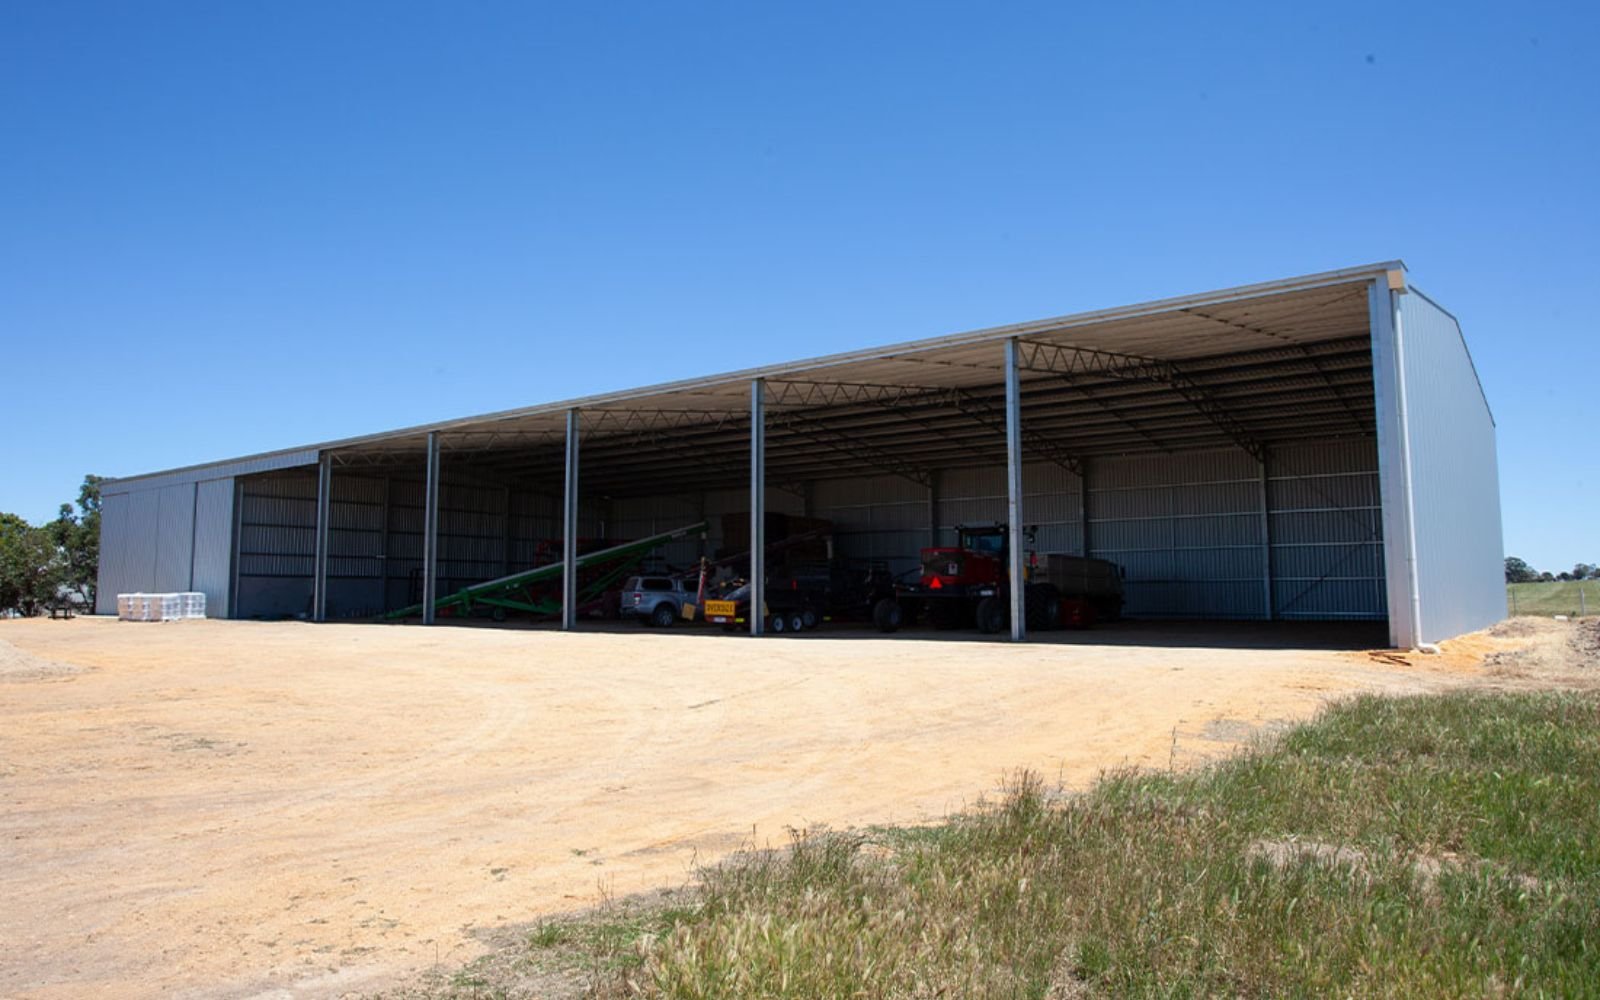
{"x": 1440, "y": 845}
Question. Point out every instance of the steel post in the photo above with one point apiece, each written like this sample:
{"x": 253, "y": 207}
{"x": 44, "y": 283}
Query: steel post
{"x": 1015, "y": 541}
{"x": 758, "y": 507}
{"x": 1403, "y": 632}
{"x": 319, "y": 572}
{"x": 569, "y": 529}
{"x": 430, "y": 531}
{"x": 1270, "y": 611}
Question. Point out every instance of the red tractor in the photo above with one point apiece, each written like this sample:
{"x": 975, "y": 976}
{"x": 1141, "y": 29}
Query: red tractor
{"x": 967, "y": 585}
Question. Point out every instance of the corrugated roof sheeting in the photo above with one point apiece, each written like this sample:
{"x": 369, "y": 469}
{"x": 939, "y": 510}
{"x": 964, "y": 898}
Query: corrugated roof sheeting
{"x": 1455, "y": 481}
{"x": 1284, "y": 365}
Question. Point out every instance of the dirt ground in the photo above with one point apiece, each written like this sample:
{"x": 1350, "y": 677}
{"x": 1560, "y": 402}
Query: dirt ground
{"x": 236, "y": 809}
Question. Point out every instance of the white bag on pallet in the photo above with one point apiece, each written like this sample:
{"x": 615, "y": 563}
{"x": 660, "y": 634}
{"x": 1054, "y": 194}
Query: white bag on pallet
{"x": 161, "y": 607}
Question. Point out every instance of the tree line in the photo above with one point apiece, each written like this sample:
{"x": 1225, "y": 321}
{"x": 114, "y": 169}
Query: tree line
{"x": 54, "y": 563}
{"x": 1518, "y": 571}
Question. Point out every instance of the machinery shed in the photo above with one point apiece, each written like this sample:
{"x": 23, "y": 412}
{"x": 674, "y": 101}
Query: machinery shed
{"x": 1313, "y": 448}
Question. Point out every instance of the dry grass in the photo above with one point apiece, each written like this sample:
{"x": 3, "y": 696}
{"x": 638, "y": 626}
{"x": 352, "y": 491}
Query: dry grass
{"x": 1471, "y": 818}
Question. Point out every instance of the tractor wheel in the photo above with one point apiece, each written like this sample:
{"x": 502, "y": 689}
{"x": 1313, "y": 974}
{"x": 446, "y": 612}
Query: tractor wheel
{"x": 663, "y": 616}
{"x": 991, "y": 615}
{"x": 886, "y": 615}
{"x": 1043, "y": 606}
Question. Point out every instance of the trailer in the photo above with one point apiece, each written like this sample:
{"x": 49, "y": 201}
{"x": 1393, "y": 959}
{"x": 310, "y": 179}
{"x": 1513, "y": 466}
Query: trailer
{"x": 537, "y": 591}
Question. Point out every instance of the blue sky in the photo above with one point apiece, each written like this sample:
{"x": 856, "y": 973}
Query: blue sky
{"x": 267, "y": 225}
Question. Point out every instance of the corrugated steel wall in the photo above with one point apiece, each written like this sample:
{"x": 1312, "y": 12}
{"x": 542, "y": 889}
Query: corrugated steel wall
{"x": 881, "y": 519}
{"x": 375, "y": 539}
{"x": 1327, "y": 531}
{"x": 1455, "y": 478}
{"x": 277, "y": 543}
{"x": 213, "y": 545}
{"x": 166, "y": 538}
{"x": 1185, "y": 528}
{"x": 636, "y": 517}
{"x": 116, "y": 542}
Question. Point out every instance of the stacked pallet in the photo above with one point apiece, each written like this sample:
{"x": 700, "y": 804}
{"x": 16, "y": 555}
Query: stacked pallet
{"x": 160, "y": 607}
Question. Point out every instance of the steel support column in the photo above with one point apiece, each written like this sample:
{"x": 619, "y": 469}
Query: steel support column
{"x": 569, "y": 529}
{"x": 319, "y": 572}
{"x": 1269, "y": 610}
{"x": 1014, "y": 539}
{"x": 1393, "y": 487}
{"x": 430, "y": 531}
{"x": 1083, "y": 510}
{"x": 758, "y": 506}
{"x": 383, "y": 545}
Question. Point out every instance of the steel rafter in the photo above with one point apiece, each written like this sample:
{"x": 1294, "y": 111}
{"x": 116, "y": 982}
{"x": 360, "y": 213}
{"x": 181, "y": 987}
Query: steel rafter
{"x": 1068, "y": 362}
{"x": 819, "y": 432}
{"x": 794, "y": 392}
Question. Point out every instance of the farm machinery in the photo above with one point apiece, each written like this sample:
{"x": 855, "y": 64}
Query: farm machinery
{"x": 537, "y": 591}
{"x": 967, "y": 585}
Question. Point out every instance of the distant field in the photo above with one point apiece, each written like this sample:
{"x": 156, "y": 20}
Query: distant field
{"x": 1558, "y": 598}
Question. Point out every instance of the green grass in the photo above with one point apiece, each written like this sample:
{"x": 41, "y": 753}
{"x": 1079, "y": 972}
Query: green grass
{"x": 1557, "y": 598}
{"x": 1472, "y": 822}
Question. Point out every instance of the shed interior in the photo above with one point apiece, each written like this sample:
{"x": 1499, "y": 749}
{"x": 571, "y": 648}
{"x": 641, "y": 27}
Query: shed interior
{"x": 1223, "y": 453}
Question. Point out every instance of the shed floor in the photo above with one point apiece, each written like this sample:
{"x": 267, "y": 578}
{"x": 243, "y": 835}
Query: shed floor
{"x": 281, "y": 809}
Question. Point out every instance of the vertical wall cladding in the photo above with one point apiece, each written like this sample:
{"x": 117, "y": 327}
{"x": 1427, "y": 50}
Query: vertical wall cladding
{"x": 472, "y": 534}
{"x": 174, "y": 537}
{"x": 719, "y": 503}
{"x": 213, "y": 545}
{"x": 1327, "y": 531}
{"x": 1454, "y": 475}
{"x": 355, "y": 545}
{"x": 1051, "y": 502}
{"x": 117, "y": 573}
{"x": 1185, "y": 528}
{"x": 888, "y": 518}
{"x": 161, "y": 539}
{"x": 485, "y": 531}
{"x": 879, "y": 519}
{"x": 277, "y": 543}
{"x": 641, "y": 517}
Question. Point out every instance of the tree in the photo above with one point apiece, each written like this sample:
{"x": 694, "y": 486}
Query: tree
{"x": 1518, "y": 571}
{"x": 1547, "y": 577}
{"x": 30, "y": 567}
{"x": 77, "y": 535}
{"x": 1584, "y": 571}
{"x": 1564, "y": 576}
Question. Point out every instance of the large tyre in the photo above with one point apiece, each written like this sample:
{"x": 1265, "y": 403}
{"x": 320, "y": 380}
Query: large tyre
{"x": 1043, "y": 607}
{"x": 886, "y": 614}
{"x": 663, "y": 616}
{"x": 796, "y": 622}
{"x": 778, "y": 625}
{"x": 991, "y": 615}
{"x": 808, "y": 619}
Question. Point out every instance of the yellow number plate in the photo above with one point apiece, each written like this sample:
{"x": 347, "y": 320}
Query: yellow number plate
{"x": 720, "y": 609}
